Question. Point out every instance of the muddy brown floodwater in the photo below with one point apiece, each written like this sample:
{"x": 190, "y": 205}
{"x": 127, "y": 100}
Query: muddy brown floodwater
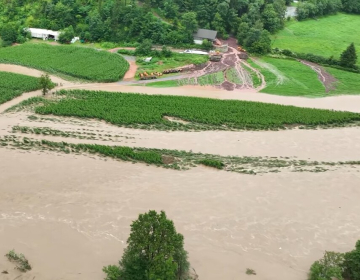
{"x": 70, "y": 215}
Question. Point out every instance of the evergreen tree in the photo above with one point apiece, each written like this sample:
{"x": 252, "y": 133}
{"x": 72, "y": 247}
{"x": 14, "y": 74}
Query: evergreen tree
{"x": 348, "y": 57}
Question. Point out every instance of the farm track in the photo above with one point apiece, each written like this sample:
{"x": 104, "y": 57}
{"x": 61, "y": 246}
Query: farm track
{"x": 325, "y": 78}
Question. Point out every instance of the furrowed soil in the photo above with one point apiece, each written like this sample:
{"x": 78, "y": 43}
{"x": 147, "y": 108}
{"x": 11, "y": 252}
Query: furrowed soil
{"x": 70, "y": 214}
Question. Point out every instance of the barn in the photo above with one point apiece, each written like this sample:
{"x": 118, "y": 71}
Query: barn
{"x": 203, "y": 34}
{"x": 44, "y": 34}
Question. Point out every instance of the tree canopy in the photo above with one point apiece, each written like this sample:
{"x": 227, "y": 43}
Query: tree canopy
{"x": 155, "y": 251}
{"x": 348, "y": 57}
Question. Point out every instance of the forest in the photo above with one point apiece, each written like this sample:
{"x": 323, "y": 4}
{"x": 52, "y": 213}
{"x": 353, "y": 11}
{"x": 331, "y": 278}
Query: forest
{"x": 164, "y": 22}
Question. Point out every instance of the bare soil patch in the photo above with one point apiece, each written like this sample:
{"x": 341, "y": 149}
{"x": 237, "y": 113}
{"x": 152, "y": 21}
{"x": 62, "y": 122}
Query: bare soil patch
{"x": 327, "y": 79}
{"x": 174, "y": 119}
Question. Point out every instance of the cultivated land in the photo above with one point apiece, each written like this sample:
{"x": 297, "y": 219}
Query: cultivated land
{"x": 128, "y": 109}
{"x": 175, "y": 61}
{"x": 83, "y": 63}
{"x": 68, "y": 196}
{"x": 13, "y": 85}
{"x": 325, "y": 36}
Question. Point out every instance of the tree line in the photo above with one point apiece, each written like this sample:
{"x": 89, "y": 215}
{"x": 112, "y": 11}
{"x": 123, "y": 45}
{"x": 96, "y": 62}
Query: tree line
{"x": 317, "y": 8}
{"x": 251, "y": 21}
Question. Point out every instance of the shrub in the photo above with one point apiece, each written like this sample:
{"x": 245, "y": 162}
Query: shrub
{"x": 165, "y": 52}
{"x": 145, "y": 48}
{"x": 352, "y": 263}
{"x": 22, "y": 263}
{"x": 212, "y": 163}
{"x": 327, "y": 267}
{"x": 126, "y": 52}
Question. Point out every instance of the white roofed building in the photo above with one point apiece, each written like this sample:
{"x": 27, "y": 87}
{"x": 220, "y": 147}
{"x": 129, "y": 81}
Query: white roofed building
{"x": 44, "y": 34}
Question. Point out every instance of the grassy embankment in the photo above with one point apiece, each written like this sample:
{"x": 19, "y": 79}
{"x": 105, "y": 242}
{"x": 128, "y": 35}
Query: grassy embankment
{"x": 289, "y": 77}
{"x": 325, "y": 36}
{"x": 292, "y": 78}
{"x": 347, "y": 82}
{"x": 13, "y": 85}
{"x": 159, "y": 64}
{"x": 149, "y": 112}
{"x": 82, "y": 63}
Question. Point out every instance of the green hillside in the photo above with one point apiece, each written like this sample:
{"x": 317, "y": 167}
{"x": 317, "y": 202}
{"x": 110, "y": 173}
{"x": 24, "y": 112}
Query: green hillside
{"x": 327, "y": 36}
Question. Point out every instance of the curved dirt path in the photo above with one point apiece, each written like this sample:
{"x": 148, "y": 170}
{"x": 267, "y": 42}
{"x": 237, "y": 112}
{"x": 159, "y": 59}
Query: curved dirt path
{"x": 31, "y": 72}
{"x": 341, "y": 102}
{"x": 325, "y": 78}
{"x": 130, "y": 74}
{"x": 258, "y": 73}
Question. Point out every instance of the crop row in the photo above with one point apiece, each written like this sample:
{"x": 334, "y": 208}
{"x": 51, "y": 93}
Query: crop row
{"x": 176, "y": 159}
{"x": 13, "y": 85}
{"x": 127, "y": 109}
{"x": 79, "y": 62}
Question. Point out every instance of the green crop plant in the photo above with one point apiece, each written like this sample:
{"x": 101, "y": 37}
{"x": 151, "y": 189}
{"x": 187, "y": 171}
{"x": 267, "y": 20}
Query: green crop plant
{"x": 149, "y": 111}
{"x": 83, "y": 63}
{"x": 13, "y": 85}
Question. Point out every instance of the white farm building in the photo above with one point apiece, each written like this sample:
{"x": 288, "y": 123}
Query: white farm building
{"x": 44, "y": 34}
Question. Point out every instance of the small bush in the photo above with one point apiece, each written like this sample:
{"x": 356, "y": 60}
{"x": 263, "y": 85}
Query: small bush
{"x": 22, "y": 263}
{"x": 250, "y": 271}
{"x": 126, "y": 52}
{"x": 352, "y": 263}
{"x": 212, "y": 163}
{"x": 327, "y": 267}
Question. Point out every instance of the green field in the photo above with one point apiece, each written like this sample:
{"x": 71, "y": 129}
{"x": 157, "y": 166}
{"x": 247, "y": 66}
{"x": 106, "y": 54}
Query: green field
{"x": 325, "y": 36}
{"x": 347, "y": 82}
{"x": 83, "y": 63}
{"x": 292, "y": 78}
{"x": 158, "y": 64}
{"x": 13, "y": 85}
{"x": 148, "y": 111}
{"x": 289, "y": 77}
{"x": 160, "y": 84}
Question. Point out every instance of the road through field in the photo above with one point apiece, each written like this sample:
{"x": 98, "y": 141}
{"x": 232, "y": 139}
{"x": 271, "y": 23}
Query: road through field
{"x": 342, "y": 102}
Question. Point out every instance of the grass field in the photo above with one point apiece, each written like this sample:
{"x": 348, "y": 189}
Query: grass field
{"x": 148, "y": 111}
{"x": 347, "y": 82}
{"x": 83, "y": 63}
{"x": 289, "y": 77}
{"x": 160, "y": 84}
{"x": 177, "y": 60}
{"x": 326, "y": 36}
{"x": 13, "y": 85}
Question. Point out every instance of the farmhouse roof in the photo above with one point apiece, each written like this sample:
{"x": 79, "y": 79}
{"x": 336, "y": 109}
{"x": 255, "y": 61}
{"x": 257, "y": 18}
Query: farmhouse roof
{"x": 205, "y": 34}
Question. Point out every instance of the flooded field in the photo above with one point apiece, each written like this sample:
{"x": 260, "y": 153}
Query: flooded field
{"x": 71, "y": 214}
